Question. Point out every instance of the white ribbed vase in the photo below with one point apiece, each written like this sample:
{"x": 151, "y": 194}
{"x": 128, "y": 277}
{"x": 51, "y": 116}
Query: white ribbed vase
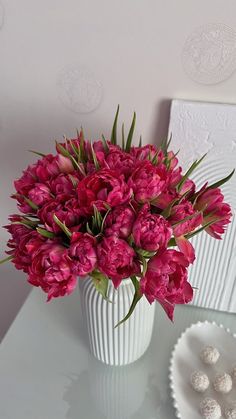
{"x": 126, "y": 343}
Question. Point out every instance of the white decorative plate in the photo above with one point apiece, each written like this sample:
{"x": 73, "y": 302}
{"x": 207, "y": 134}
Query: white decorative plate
{"x": 185, "y": 359}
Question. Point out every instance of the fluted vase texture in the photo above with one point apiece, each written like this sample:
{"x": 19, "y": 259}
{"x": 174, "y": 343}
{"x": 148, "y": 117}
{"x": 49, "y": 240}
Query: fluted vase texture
{"x": 126, "y": 343}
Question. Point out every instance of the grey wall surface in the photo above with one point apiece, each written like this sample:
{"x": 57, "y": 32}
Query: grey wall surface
{"x": 70, "y": 62}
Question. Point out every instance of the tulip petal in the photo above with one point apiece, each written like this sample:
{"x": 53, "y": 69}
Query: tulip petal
{"x": 186, "y": 248}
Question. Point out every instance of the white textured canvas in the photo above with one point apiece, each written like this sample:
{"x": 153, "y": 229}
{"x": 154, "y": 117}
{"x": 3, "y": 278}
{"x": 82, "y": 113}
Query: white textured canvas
{"x": 198, "y": 128}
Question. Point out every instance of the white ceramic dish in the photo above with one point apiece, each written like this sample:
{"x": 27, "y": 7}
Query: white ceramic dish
{"x": 185, "y": 359}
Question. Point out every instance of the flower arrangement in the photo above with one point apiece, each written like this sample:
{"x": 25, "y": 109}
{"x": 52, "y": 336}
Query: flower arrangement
{"x": 112, "y": 212}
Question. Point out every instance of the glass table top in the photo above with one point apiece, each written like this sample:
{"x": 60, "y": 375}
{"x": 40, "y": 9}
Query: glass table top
{"x": 47, "y": 372}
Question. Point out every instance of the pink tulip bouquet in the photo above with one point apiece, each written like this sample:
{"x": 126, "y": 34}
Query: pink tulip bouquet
{"x": 112, "y": 212}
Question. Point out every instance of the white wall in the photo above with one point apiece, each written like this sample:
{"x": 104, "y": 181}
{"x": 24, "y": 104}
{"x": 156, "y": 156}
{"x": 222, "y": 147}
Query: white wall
{"x": 61, "y": 59}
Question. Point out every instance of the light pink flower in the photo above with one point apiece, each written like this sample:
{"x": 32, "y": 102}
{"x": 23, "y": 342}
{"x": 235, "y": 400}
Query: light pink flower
{"x": 104, "y": 186}
{"x": 148, "y": 181}
{"x": 210, "y": 201}
{"x": 116, "y": 259}
{"x": 151, "y": 232}
{"x": 65, "y": 164}
{"x": 51, "y": 270}
{"x": 119, "y": 222}
{"x": 166, "y": 281}
{"x": 83, "y": 254}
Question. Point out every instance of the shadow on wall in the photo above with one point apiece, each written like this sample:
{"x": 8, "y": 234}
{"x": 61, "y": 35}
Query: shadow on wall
{"x": 160, "y": 128}
{"x": 25, "y": 133}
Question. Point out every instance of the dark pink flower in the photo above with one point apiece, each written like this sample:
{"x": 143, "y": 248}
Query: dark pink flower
{"x": 116, "y": 259}
{"x": 68, "y": 216}
{"x": 82, "y": 251}
{"x": 119, "y": 222}
{"x": 63, "y": 186}
{"x": 47, "y": 168}
{"x": 148, "y": 181}
{"x": 210, "y": 201}
{"x": 146, "y": 152}
{"x": 104, "y": 186}
{"x": 182, "y": 211}
{"x": 151, "y": 232}
{"x": 166, "y": 281}
{"x": 51, "y": 270}
{"x": 40, "y": 194}
{"x": 120, "y": 161}
{"x": 22, "y": 237}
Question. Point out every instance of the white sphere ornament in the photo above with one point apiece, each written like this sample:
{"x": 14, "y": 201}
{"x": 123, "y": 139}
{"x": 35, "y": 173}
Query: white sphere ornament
{"x": 210, "y": 409}
{"x": 209, "y": 355}
{"x": 230, "y": 411}
{"x": 199, "y": 381}
{"x": 223, "y": 383}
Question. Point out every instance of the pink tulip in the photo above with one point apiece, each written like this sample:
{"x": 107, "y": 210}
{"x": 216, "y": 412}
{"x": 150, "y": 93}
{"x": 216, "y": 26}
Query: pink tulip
{"x": 166, "y": 281}
{"x": 83, "y": 254}
{"x": 148, "y": 181}
{"x": 151, "y": 232}
{"x": 116, "y": 259}
{"x": 102, "y": 187}
{"x": 210, "y": 201}
{"x": 51, "y": 270}
{"x": 119, "y": 222}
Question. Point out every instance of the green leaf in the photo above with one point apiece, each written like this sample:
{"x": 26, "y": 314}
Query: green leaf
{"x": 145, "y": 253}
{"x": 6, "y": 259}
{"x": 140, "y": 141}
{"x": 62, "y": 226}
{"x": 74, "y": 180}
{"x": 37, "y": 153}
{"x": 172, "y": 242}
{"x": 74, "y": 148}
{"x": 114, "y": 128}
{"x": 22, "y": 223}
{"x": 62, "y": 150}
{"x": 221, "y": 182}
{"x": 137, "y": 297}
{"x": 95, "y": 160}
{"x": 188, "y": 236}
{"x": 97, "y": 218}
{"x": 144, "y": 262}
{"x": 154, "y": 160}
{"x": 189, "y": 172}
{"x": 165, "y": 144}
{"x": 67, "y": 154}
{"x": 123, "y": 136}
{"x": 45, "y": 233}
{"x": 104, "y": 219}
{"x": 89, "y": 229}
{"x": 105, "y": 144}
{"x": 189, "y": 217}
{"x": 82, "y": 146}
{"x": 100, "y": 282}
{"x": 130, "y": 135}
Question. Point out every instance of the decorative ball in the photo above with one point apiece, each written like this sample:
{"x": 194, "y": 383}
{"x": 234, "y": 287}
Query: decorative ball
{"x": 223, "y": 383}
{"x": 209, "y": 355}
{"x": 199, "y": 381}
{"x": 233, "y": 373}
{"x": 230, "y": 411}
{"x": 210, "y": 409}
